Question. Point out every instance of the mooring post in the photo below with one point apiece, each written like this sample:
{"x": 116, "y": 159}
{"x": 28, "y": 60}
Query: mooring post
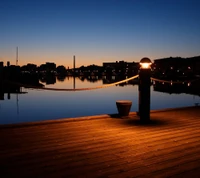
{"x": 144, "y": 89}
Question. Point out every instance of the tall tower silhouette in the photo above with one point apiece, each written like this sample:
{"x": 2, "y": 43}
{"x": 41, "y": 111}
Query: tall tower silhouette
{"x": 74, "y": 63}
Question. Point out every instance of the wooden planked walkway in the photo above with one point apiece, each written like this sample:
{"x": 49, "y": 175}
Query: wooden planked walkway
{"x": 104, "y": 146}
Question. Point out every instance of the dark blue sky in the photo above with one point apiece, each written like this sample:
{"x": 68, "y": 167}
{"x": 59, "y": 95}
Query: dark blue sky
{"x": 97, "y": 31}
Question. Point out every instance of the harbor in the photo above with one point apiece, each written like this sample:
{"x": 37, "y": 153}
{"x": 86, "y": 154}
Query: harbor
{"x": 104, "y": 146}
{"x": 144, "y": 143}
{"x": 106, "y": 88}
{"x": 61, "y": 99}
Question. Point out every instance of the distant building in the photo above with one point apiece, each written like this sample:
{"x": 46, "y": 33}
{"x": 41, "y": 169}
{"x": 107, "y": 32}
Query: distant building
{"x": 1, "y": 70}
{"x": 49, "y": 67}
{"x": 121, "y": 68}
{"x": 1, "y": 65}
{"x": 30, "y": 68}
{"x": 177, "y": 66}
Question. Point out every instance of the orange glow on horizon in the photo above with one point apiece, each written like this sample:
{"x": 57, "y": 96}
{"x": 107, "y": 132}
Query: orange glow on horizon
{"x": 66, "y": 61}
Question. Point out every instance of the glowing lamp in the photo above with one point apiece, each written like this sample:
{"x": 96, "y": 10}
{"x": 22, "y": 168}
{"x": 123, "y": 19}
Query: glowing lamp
{"x": 145, "y": 63}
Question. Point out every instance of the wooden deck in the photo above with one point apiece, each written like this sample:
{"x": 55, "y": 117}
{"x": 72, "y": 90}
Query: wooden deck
{"x": 104, "y": 146}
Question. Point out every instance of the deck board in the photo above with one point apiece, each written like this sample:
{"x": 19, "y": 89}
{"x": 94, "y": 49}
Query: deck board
{"x": 104, "y": 146}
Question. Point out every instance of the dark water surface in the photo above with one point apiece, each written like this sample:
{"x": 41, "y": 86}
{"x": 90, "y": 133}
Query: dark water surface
{"x": 38, "y": 105}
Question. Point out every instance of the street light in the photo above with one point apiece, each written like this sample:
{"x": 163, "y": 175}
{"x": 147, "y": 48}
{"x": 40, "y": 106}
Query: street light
{"x": 144, "y": 89}
{"x": 145, "y": 63}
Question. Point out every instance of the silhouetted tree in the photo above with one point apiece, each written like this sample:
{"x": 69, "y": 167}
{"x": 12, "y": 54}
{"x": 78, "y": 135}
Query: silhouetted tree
{"x": 61, "y": 70}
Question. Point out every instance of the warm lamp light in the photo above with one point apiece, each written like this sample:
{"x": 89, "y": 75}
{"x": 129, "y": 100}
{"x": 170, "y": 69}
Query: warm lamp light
{"x": 145, "y": 63}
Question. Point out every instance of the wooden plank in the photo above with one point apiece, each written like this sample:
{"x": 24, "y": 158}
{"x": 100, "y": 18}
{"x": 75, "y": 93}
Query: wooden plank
{"x": 104, "y": 147}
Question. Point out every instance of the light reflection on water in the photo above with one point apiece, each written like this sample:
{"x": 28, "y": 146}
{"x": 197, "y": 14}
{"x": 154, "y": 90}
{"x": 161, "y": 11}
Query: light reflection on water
{"x": 37, "y": 105}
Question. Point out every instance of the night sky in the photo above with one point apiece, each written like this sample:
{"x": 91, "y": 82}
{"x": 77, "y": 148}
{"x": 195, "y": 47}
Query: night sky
{"x": 98, "y": 31}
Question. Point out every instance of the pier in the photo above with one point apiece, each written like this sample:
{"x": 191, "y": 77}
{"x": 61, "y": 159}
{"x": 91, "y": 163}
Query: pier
{"x": 104, "y": 146}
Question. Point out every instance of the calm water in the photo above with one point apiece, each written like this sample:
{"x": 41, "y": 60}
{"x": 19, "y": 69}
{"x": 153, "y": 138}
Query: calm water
{"x": 38, "y": 105}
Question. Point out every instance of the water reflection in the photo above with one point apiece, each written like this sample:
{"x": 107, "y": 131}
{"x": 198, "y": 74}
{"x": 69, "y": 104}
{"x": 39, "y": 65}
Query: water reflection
{"x": 48, "y": 79}
{"x": 192, "y": 88}
{"x": 9, "y": 89}
{"x": 170, "y": 87}
{"x": 37, "y": 105}
{"x": 81, "y": 81}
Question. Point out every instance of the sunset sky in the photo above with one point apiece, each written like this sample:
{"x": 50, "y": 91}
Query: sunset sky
{"x": 97, "y": 31}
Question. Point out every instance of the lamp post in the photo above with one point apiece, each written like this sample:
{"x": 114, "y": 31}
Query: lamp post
{"x": 144, "y": 89}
